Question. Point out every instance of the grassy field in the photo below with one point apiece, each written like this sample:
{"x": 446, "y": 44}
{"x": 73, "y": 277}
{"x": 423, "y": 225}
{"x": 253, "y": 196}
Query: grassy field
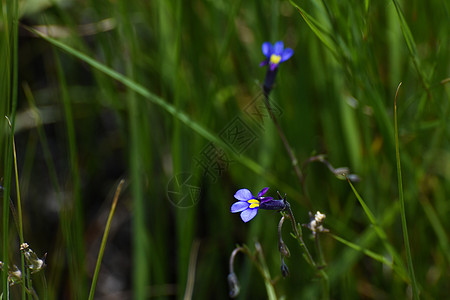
{"x": 157, "y": 107}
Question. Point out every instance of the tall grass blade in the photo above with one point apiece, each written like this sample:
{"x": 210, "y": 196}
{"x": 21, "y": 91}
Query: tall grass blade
{"x": 409, "y": 39}
{"x": 201, "y": 130}
{"x": 104, "y": 239}
{"x": 412, "y": 276}
{"x": 73, "y": 218}
{"x": 318, "y": 29}
{"x": 378, "y": 229}
{"x": 8, "y": 87}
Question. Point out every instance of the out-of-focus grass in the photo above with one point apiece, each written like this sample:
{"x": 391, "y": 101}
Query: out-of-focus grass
{"x": 150, "y": 84}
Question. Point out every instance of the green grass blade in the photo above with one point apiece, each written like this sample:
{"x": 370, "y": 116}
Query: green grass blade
{"x": 20, "y": 221}
{"x": 104, "y": 239}
{"x": 320, "y": 31}
{"x": 270, "y": 290}
{"x": 43, "y": 140}
{"x": 371, "y": 254}
{"x": 409, "y": 39}
{"x": 378, "y": 229}
{"x": 438, "y": 228}
{"x": 201, "y": 130}
{"x": 73, "y": 219}
{"x": 367, "y": 210}
{"x": 142, "y": 262}
{"x": 6, "y": 142}
{"x": 412, "y": 276}
{"x": 8, "y": 82}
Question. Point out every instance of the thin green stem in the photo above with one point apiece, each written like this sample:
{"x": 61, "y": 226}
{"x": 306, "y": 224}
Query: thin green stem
{"x": 322, "y": 264}
{"x": 402, "y": 205}
{"x": 288, "y": 148}
{"x": 270, "y": 288}
{"x": 299, "y": 236}
{"x": 19, "y": 213}
{"x": 260, "y": 264}
{"x": 286, "y": 145}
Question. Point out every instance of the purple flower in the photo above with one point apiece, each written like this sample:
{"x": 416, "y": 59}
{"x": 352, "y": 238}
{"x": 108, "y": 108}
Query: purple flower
{"x": 248, "y": 205}
{"x": 275, "y": 54}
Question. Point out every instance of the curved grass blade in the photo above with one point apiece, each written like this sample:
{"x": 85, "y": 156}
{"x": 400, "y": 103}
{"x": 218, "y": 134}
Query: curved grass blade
{"x": 373, "y": 255}
{"x": 378, "y": 229}
{"x": 141, "y": 90}
{"x": 317, "y": 28}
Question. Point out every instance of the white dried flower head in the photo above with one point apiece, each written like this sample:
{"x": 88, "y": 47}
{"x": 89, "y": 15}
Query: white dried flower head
{"x": 23, "y": 246}
{"x": 319, "y": 217}
{"x": 315, "y": 224}
{"x": 35, "y": 264}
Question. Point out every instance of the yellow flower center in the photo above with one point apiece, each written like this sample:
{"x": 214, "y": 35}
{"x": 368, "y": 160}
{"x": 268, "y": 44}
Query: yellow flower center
{"x": 275, "y": 59}
{"x": 253, "y": 203}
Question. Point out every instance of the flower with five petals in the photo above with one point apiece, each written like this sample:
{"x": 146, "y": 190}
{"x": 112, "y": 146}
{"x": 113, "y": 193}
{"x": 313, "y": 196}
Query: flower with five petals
{"x": 275, "y": 54}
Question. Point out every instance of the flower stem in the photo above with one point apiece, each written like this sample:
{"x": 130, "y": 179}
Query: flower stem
{"x": 284, "y": 140}
{"x": 322, "y": 273}
{"x": 299, "y": 236}
{"x": 308, "y": 257}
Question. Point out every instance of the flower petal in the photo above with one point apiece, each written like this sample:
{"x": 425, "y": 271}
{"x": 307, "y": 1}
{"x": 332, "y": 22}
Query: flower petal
{"x": 243, "y": 195}
{"x": 267, "y": 49}
{"x": 278, "y": 48}
{"x": 265, "y": 199}
{"x": 262, "y": 192}
{"x": 287, "y": 53}
{"x": 248, "y": 214}
{"x": 239, "y": 206}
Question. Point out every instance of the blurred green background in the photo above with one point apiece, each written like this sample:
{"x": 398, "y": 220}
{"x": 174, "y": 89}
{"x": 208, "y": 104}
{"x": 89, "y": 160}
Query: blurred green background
{"x": 188, "y": 80}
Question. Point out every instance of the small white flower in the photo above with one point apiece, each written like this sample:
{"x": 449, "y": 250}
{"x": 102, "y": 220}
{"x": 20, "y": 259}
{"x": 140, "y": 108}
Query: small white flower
{"x": 315, "y": 224}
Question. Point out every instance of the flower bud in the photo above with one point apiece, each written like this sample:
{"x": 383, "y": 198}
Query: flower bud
{"x": 284, "y": 250}
{"x": 233, "y": 284}
{"x": 284, "y": 269}
{"x": 273, "y": 204}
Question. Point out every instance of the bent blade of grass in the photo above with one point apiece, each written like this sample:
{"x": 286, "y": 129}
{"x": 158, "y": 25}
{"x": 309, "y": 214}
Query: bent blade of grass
{"x": 373, "y": 255}
{"x": 367, "y": 238}
{"x": 244, "y": 160}
{"x": 415, "y": 289}
{"x": 409, "y": 39}
{"x": 378, "y": 229}
{"x": 104, "y": 239}
{"x": 322, "y": 34}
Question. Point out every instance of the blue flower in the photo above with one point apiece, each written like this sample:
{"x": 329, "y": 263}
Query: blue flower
{"x": 275, "y": 54}
{"x": 248, "y": 205}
